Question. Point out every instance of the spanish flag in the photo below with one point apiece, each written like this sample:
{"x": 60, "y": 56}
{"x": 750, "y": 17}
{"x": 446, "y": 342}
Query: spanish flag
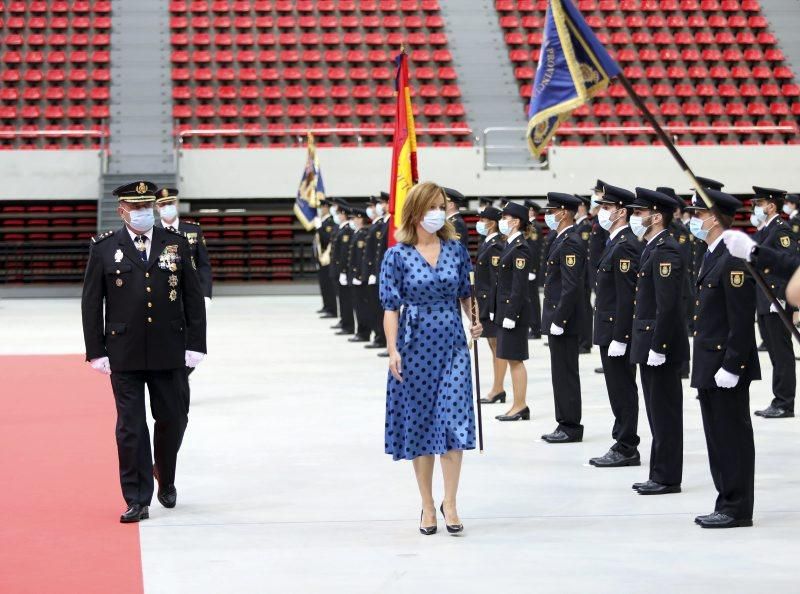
{"x": 404, "y": 148}
{"x": 573, "y": 67}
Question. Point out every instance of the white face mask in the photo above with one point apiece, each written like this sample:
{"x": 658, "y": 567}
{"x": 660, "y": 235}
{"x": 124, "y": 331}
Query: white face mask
{"x": 338, "y": 218}
{"x": 551, "y": 221}
{"x": 788, "y": 208}
{"x": 595, "y": 197}
{"x": 480, "y": 227}
{"x": 141, "y": 219}
{"x": 506, "y": 228}
{"x": 754, "y": 220}
{"x": 604, "y": 219}
{"x": 370, "y": 212}
{"x": 380, "y": 209}
{"x": 433, "y": 221}
{"x": 760, "y": 214}
{"x": 168, "y": 212}
{"x": 637, "y": 227}
{"x": 334, "y": 210}
{"x": 352, "y": 224}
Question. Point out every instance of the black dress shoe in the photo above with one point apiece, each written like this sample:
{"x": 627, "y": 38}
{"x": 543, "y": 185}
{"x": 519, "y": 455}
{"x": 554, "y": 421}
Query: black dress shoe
{"x": 720, "y": 520}
{"x": 451, "y": 528}
{"x": 501, "y": 397}
{"x": 168, "y": 496}
{"x": 523, "y": 415}
{"x": 336, "y": 326}
{"x": 559, "y": 436}
{"x": 534, "y": 335}
{"x": 327, "y": 315}
{"x": 344, "y": 331}
{"x": 358, "y": 338}
{"x": 426, "y": 530}
{"x": 321, "y": 311}
{"x": 584, "y": 350}
{"x": 135, "y": 513}
{"x": 774, "y": 412}
{"x": 637, "y": 486}
{"x": 615, "y": 459}
{"x": 654, "y": 488}
{"x": 599, "y": 370}
{"x": 383, "y": 354}
{"x": 699, "y": 519}
{"x": 375, "y": 345}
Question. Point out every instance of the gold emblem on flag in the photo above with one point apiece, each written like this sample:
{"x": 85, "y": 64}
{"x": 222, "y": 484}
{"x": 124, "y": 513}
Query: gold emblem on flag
{"x": 665, "y": 269}
{"x": 589, "y": 74}
{"x": 737, "y": 278}
{"x": 520, "y": 263}
{"x": 785, "y": 241}
{"x": 495, "y": 261}
{"x": 624, "y": 265}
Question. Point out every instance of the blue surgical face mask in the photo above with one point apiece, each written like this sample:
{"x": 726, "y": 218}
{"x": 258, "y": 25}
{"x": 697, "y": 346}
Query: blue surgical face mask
{"x": 788, "y": 208}
{"x": 604, "y": 219}
{"x": 754, "y": 220}
{"x": 433, "y": 220}
{"x": 550, "y": 220}
{"x": 380, "y": 209}
{"x": 141, "y": 219}
{"x": 480, "y": 227}
{"x": 168, "y": 212}
{"x": 637, "y": 227}
{"x": 370, "y": 212}
{"x": 334, "y": 210}
{"x": 505, "y": 227}
{"x": 696, "y": 228}
{"x": 759, "y": 213}
{"x": 338, "y": 218}
{"x": 352, "y": 224}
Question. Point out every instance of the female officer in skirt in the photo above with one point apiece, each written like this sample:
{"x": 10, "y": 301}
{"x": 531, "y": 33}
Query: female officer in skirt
{"x": 512, "y": 306}
{"x": 487, "y": 264}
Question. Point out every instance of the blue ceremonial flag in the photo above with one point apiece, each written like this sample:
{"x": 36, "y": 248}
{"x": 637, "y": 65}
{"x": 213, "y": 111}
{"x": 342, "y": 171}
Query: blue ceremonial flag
{"x": 311, "y": 189}
{"x": 573, "y": 67}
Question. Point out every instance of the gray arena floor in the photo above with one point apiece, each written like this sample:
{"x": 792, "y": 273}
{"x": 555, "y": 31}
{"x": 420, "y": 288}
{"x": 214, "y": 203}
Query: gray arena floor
{"x": 284, "y": 488}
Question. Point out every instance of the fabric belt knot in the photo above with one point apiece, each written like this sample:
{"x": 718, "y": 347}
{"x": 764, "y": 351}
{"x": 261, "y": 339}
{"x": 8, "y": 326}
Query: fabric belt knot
{"x": 409, "y": 316}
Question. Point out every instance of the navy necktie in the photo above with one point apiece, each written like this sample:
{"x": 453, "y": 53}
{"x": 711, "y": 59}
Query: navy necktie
{"x": 141, "y": 245}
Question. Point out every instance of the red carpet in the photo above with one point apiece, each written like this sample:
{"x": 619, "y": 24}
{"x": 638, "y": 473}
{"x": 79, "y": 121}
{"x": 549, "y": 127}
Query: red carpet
{"x": 59, "y": 487}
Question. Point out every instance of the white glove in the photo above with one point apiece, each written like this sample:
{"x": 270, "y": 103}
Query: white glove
{"x": 193, "y": 358}
{"x": 725, "y": 379}
{"x": 655, "y": 359}
{"x": 372, "y": 280}
{"x": 774, "y": 309}
{"x": 739, "y": 244}
{"x": 101, "y": 364}
{"x": 617, "y": 349}
{"x": 531, "y": 276}
{"x": 491, "y": 315}
{"x": 509, "y": 324}
{"x": 317, "y": 222}
{"x": 343, "y": 279}
{"x": 208, "y": 303}
{"x": 556, "y": 330}
{"x": 356, "y": 282}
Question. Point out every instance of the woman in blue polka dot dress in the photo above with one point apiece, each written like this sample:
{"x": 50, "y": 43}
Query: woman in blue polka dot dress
{"x": 429, "y": 392}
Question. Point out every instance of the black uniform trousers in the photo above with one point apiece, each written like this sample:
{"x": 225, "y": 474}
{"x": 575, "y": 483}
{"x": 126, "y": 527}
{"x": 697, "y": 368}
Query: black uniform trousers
{"x": 346, "y": 308}
{"x": 566, "y": 383}
{"x": 623, "y": 395}
{"x": 663, "y": 399}
{"x": 781, "y": 354}
{"x": 377, "y": 314}
{"x": 535, "y": 324}
{"x": 585, "y": 340}
{"x": 360, "y": 295}
{"x": 731, "y": 452}
{"x": 169, "y": 404}
{"x": 327, "y": 289}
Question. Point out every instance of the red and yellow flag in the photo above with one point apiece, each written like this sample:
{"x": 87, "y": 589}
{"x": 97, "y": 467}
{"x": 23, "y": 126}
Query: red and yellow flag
{"x": 404, "y": 148}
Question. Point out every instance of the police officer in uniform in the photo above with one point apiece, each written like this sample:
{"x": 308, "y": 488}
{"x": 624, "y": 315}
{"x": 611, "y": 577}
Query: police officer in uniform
{"x": 790, "y": 208}
{"x": 322, "y": 250}
{"x": 154, "y": 328}
{"x": 562, "y": 313}
{"x": 487, "y": 265}
{"x": 340, "y": 252}
{"x": 167, "y": 205}
{"x": 659, "y": 343}
{"x": 356, "y": 278}
{"x": 597, "y": 240}
{"x": 512, "y": 306}
{"x": 483, "y": 202}
{"x": 382, "y": 244}
{"x": 535, "y": 238}
{"x": 725, "y": 362}
{"x": 776, "y": 234}
{"x": 373, "y": 255}
{"x": 615, "y": 290}
{"x": 584, "y": 229}
{"x": 456, "y": 201}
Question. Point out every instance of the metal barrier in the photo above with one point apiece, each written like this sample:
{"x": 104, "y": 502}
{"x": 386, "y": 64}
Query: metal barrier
{"x": 65, "y": 133}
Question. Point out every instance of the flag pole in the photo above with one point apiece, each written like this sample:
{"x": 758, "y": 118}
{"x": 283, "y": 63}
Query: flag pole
{"x": 474, "y": 316}
{"x": 667, "y": 142}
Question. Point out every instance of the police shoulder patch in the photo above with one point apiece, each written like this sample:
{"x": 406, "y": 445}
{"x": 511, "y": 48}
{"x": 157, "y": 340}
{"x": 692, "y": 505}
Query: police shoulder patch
{"x": 102, "y": 236}
{"x": 570, "y": 260}
{"x": 345, "y": 238}
{"x": 785, "y": 241}
{"x": 665, "y": 269}
{"x": 585, "y": 235}
{"x": 360, "y": 244}
{"x": 737, "y": 278}
{"x": 495, "y": 261}
{"x": 624, "y": 265}
{"x": 520, "y": 263}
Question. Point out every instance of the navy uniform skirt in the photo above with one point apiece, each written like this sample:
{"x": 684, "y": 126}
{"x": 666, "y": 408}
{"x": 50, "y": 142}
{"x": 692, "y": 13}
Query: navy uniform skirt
{"x": 489, "y": 329}
{"x": 512, "y": 345}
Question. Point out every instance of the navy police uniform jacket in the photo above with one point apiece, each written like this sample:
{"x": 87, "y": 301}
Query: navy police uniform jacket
{"x": 197, "y": 244}
{"x": 565, "y": 282}
{"x": 777, "y": 235}
{"x": 615, "y": 291}
{"x": 535, "y": 245}
{"x": 340, "y": 252}
{"x": 724, "y": 333}
{"x": 512, "y": 296}
{"x": 658, "y": 322}
{"x": 369, "y": 264}
{"x": 355, "y": 258}
{"x": 486, "y": 266}
{"x": 154, "y": 310}
{"x": 781, "y": 263}
{"x": 461, "y": 229}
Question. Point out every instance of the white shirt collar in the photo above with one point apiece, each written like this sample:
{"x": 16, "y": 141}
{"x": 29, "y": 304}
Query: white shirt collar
{"x": 488, "y": 237}
{"x": 134, "y": 235}
{"x": 343, "y": 224}
{"x": 564, "y": 230}
{"x": 715, "y": 244}
{"x": 513, "y": 236}
{"x": 579, "y": 219}
{"x": 173, "y": 224}
{"x": 656, "y": 236}
{"x": 772, "y": 218}
{"x": 616, "y": 232}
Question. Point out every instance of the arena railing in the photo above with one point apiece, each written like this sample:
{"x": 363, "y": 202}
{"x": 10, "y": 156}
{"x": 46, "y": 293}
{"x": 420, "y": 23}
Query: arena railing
{"x": 65, "y": 133}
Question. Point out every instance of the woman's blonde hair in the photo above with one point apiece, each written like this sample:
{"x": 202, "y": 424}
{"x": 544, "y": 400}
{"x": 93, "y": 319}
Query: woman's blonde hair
{"x": 419, "y": 201}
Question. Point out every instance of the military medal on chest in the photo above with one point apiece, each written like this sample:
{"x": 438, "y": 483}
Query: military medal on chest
{"x": 173, "y": 281}
{"x": 169, "y": 258}
{"x": 173, "y": 295}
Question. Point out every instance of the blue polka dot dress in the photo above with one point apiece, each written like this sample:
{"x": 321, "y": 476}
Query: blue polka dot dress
{"x": 430, "y": 411}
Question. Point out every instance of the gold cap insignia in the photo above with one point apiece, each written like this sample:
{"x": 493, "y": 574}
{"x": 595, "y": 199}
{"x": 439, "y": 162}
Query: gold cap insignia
{"x": 141, "y": 188}
{"x": 785, "y": 241}
{"x": 495, "y": 261}
{"x": 570, "y": 259}
{"x": 624, "y": 265}
{"x": 665, "y": 269}
{"x": 737, "y": 278}
{"x": 520, "y": 263}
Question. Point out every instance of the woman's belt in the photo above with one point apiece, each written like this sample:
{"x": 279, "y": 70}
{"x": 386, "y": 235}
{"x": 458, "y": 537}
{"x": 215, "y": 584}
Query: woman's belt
{"x": 409, "y": 317}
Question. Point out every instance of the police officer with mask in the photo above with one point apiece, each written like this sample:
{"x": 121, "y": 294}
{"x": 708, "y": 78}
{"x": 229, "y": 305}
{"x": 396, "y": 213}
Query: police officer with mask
{"x": 322, "y": 250}
{"x": 535, "y": 238}
{"x": 583, "y": 226}
{"x": 357, "y": 277}
{"x": 615, "y": 292}
{"x": 373, "y": 255}
{"x": 725, "y": 362}
{"x": 340, "y": 253}
{"x": 456, "y": 201}
{"x": 144, "y": 324}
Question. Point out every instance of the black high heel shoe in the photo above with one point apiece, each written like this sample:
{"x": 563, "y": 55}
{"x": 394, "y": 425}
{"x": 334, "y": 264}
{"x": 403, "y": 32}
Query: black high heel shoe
{"x": 451, "y": 528}
{"x": 523, "y": 415}
{"x": 501, "y": 397}
{"x": 426, "y": 530}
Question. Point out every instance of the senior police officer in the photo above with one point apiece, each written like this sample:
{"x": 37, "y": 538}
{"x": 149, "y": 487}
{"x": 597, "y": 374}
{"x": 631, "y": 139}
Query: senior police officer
{"x": 659, "y": 343}
{"x": 154, "y": 328}
{"x": 562, "y": 313}
{"x": 725, "y": 362}
{"x": 615, "y": 289}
